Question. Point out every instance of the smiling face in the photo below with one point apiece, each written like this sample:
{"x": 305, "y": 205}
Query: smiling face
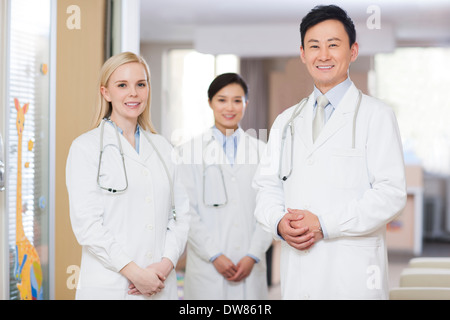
{"x": 327, "y": 54}
{"x": 228, "y": 106}
{"x": 128, "y": 91}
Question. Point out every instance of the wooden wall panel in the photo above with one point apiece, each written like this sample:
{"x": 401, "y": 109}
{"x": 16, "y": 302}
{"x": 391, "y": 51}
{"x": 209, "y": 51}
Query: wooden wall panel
{"x": 80, "y": 55}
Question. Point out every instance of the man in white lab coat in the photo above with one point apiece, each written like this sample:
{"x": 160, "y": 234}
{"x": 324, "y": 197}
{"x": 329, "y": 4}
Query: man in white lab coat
{"x": 347, "y": 180}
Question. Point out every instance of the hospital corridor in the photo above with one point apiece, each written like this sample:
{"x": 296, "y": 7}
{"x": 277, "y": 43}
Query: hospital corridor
{"x": 225, "y": 150}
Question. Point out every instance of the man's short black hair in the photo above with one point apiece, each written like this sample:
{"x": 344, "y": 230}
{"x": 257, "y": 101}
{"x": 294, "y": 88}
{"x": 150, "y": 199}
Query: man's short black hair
{"x": 330, "y": 12}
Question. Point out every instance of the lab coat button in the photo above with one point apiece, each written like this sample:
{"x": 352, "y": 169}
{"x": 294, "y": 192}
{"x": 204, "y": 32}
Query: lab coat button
{"x": 150, "y": 227}
{"x": 233, "y": 179}
{"x": 310, "y": 162}
{"x": 306, "y": 296}
{"x": 148, "y": 199}
{"x": 149, "y": 255}
{"x": 145, "y": 172}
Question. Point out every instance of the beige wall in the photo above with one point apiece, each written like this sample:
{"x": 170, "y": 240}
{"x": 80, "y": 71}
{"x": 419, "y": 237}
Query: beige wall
{"x": 79, "y": 58}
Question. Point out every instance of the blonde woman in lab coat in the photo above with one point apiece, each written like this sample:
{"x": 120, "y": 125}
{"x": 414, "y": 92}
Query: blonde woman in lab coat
{"x": 130, "y": 239}
{"x": 226, "y": 247}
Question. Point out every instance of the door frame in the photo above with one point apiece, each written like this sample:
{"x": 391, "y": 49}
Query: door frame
{"x": 4, "y": 259}
{"x": 52, "y": 149}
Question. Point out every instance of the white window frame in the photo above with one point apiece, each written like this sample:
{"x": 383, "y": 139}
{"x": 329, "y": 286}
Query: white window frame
{"x": 4, "y": 260}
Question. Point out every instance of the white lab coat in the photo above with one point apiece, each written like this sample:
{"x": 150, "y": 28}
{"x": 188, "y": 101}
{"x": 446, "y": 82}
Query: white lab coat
{"x": 137, "y": 225}
{"x": 232, "y": 229}
{"x": 356, "y": 192}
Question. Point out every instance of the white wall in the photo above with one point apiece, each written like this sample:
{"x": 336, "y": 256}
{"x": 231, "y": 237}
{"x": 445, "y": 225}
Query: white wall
{"x": 279, "y": 40}
{"x": 154, "y": 54}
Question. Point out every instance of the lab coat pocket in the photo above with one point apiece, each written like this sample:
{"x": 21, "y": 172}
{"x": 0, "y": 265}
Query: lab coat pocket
{"x": 360, "y": 269}
{"x": 347, "y": 167}
{"x": 360, "y": 241}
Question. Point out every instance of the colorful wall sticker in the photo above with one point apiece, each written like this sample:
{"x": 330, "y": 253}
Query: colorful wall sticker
{"x": 27, "y": 269}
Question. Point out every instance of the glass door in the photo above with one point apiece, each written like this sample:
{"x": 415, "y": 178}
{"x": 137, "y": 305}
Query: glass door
{"x": 27, "y": 143}
{"x": 3, "y": 219}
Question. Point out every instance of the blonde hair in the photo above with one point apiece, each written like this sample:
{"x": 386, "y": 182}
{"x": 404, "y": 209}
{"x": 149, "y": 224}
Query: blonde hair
{"x": 103, "y": 107}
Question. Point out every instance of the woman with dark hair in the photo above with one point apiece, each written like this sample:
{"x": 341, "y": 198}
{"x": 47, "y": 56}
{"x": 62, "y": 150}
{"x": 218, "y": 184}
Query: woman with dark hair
{"x": 226, "y": 248}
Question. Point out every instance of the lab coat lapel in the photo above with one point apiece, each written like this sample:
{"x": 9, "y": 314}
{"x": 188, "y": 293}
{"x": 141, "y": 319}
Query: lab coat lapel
{"x": 221, "y": 158}
{"x": 343, "y": 113}
{"x": 111, "y": 138}
{"x": 146, "y": 150}
{"x": 216, "y": 153}
{"x": 212, "y": 150}
{"x": 303, "y": 124}
{"x": 128, "y": 149}
{"x": 244, "y": 153}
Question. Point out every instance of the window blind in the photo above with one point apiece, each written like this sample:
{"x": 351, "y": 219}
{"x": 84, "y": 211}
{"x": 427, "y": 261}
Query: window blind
{"x": 28, "y": 82}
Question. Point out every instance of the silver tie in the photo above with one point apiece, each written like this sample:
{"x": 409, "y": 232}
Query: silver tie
{"x": 319, "y": 119}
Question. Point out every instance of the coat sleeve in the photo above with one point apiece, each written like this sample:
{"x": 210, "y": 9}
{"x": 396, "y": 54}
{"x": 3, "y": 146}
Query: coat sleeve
{"x": 261, "y": 239}
{"x": 386, "y": 197}
{"x": 86, "y": 207}
{"x": 177, "y": 230}
{"x": 200, "y": 238}
{"x": 270, "y": 207}
{"x": 260, "y": 243}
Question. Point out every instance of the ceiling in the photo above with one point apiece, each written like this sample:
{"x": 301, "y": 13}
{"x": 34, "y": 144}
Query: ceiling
{"x": 411, "y": 22}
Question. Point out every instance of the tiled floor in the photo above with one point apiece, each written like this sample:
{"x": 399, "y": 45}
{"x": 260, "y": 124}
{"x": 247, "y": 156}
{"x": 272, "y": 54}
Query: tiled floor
{"x": 397, "y": 262}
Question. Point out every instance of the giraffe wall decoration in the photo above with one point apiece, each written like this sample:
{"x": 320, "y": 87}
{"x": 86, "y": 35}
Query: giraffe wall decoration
{"x": 27, "y": 267}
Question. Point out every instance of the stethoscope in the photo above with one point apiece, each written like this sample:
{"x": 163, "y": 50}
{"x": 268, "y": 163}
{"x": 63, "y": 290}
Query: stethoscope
{"x": 298, "y": 109}
{"x": 208, "y": 168}
{"x": 119, "y": 147}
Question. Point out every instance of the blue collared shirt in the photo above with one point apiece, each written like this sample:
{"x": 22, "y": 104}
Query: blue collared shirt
{"x": 229, "y": 143}
{"x": 137, "y": 135}
{"x": 334, "y": 97}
